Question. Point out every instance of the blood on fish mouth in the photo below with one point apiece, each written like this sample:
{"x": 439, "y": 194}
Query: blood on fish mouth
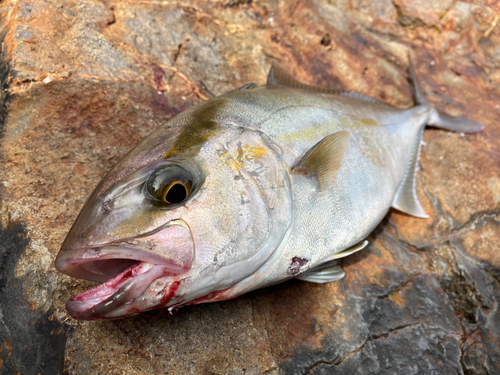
{"x": 126, "y": 268}
{"x": 91, "y": 298}
{"x": 121, "y": 289}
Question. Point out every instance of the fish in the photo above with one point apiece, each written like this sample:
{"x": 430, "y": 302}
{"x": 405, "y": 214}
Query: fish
{"x": 245, "y": 190}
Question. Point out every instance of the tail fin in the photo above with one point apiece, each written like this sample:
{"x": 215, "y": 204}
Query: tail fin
{"x": 458, "y": 124}
{"x": 440, "y": 119}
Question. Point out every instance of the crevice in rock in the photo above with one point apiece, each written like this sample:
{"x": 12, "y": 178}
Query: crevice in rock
{"x": 464, "y": 296}
{"x": 316, "y": 364}
{"x": 441, "y": 213}
{"x": 474, "y": 218}
{"x": 465, "y": 336}
{"x": 4, "y": 85}
{"x": 113, "y": 17}
{"x": 405, "y": 21}
{"x": 349, "y": 354}
{"x": 398, "y": 287}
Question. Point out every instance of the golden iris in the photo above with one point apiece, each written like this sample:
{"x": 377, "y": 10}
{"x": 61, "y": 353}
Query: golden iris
{"x": 169, "y": 184}
{"x": 176, "y": 192}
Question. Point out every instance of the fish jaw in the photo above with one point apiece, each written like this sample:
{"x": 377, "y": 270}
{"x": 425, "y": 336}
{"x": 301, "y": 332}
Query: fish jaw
{"x": 142, "y": 288}
{"x": 171, "y": 245}
{"x": 123, "y": 289}
{"x": 126, "y": 269}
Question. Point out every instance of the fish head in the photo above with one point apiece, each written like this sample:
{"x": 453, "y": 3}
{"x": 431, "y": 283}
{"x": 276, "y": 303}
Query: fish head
{"x": 176, "y": 220}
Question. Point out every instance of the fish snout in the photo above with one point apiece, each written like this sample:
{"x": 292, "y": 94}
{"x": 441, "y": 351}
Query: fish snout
{"x": 171, "y": 246}
{"x": 127, "y": 269}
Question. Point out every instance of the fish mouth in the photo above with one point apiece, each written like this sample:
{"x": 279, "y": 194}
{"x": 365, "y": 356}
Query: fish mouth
{"x": 123, "y": 289}
{"x": 125, "y": 268}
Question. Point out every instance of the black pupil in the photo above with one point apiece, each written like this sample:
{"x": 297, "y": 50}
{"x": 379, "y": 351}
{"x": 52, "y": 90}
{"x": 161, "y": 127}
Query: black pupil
{"x": 176, "y": 194}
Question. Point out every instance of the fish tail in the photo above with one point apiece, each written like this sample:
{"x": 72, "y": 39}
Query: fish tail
{"x": 440, "y": 119}
{"x": 457, "y": 124}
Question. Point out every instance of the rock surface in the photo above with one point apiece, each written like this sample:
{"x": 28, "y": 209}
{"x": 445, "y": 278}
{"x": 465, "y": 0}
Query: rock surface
{"x": 84, "y": 81}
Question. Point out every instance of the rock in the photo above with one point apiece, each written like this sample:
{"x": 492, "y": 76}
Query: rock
{"x": 83, "y": 82}
{"x": 422, "y": 12}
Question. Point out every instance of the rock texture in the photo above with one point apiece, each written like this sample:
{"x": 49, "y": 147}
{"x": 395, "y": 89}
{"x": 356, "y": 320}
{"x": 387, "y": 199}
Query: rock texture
{"x": 82, "y": 82}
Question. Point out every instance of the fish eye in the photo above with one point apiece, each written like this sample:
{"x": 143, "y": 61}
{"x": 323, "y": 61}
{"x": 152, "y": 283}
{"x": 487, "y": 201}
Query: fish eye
{"x": 176, "y": 192}
{"x": 170, "y": 185}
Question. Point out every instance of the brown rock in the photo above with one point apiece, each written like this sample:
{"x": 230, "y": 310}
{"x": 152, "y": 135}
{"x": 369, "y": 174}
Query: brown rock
{"x": 421, "y": 11}
{"x": 83, "y": 82}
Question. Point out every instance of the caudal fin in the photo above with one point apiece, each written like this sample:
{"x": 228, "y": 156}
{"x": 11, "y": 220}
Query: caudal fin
{"x": 458, "y": 124}
{"x": 440, "y": 119}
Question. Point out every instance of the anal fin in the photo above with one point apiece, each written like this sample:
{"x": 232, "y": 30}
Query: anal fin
{"x": 406, "y": 197}
{"x": 329, "y": 270}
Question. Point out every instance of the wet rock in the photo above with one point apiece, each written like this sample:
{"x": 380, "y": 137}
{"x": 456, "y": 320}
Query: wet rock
{"x": 83, "y": 82}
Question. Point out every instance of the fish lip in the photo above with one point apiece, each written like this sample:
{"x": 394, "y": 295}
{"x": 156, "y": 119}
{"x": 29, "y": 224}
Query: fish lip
{"x": 126, "y": 268}
{"x": 89, "y": 262}
{"x": 124, "y": 289}
{"x": 73, "y": 263}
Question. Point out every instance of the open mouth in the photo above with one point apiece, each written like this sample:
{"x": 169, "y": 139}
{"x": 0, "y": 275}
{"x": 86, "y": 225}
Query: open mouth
{"x": 126, "y": 269}
{"x": 119, "y": 290}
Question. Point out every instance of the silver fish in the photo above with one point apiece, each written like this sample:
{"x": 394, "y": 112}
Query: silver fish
{"x": 246, "y": 190}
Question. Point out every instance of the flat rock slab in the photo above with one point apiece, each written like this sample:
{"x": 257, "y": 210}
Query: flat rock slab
{"x": 82, "y": 82}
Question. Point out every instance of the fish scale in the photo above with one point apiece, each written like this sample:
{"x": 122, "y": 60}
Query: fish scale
{"x": 274, "y": 182}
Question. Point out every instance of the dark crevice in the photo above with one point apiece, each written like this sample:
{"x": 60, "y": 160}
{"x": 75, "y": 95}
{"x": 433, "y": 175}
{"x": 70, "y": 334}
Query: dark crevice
{"x": 396, "y": 288}
{"x": 465, "y": 298}
{"x": 180, "y": 47}
{"x": 113, "y": 19}
{"x": 436, "y": 204}
{"x": 404, "y": 20}
{"x": 4, "y": 85}
{"x": 316, "y": 364}
{"x": 462, "y": 346}
{"x": 31, "y": 341}
{"x": 385, "y": 335}
{"x": 474, "y": 218}
{"x": 490, "y": 271}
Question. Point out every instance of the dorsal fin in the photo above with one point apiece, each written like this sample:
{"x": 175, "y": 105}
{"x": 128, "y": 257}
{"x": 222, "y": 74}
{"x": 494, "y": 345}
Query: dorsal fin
{"x": 324, "y": 159}
{"x": 248, "y": 86}
{"x": 362, "y": 97}
{"x": 278, "y": 76}
{"x": 406, "y": 197}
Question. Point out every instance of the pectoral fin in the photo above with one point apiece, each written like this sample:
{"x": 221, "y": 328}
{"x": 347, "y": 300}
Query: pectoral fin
{"x": 329, "y": 270}
{"x": 324, "y": 159}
